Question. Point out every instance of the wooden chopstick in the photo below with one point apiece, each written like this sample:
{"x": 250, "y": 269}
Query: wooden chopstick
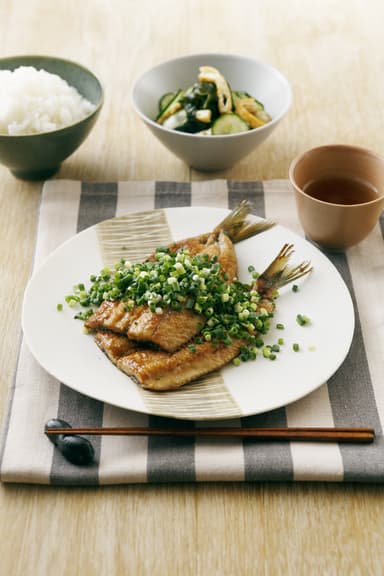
{"x": 362, "y": 435}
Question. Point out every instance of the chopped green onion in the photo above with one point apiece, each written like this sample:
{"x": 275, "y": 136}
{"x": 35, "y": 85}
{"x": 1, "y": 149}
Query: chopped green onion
{"x": 266, "y": 351}
{"x": 295, "y": 347}
{"x": 302, "y": 320}
{"x": 84, "y": 315}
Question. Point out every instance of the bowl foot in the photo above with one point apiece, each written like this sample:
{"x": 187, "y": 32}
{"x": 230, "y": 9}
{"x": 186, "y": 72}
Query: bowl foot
{"x": 35, "y": 174}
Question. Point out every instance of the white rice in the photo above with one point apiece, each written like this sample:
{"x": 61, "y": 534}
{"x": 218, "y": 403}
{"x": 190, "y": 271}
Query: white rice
{"x": 34, "y": 101}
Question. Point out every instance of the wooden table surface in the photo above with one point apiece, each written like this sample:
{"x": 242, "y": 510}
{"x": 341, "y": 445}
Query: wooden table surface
{"x": 332, "y": 53}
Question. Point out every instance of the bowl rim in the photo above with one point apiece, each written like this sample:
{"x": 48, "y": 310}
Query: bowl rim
{"x": 231, "y": 56}
{"x": 32, "y": 57}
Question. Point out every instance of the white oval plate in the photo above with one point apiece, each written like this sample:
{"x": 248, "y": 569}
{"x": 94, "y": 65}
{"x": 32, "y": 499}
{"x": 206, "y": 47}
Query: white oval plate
{"x": 58, "y": 343}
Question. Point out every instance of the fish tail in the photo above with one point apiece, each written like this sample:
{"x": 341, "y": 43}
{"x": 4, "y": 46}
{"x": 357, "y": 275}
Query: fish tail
{"x": 238, "y": 228}
{"x": 278, "y": 273}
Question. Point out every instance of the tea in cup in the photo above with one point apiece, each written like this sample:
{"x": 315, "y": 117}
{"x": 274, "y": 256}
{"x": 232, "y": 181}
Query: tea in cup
{"x": 339, "y": 193}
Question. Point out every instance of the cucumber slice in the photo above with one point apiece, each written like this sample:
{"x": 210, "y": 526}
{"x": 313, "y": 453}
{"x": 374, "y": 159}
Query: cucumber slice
{"x": 165, "y": 100}
{"x": 229, "y": 123}
{"x": 173, "y": 106}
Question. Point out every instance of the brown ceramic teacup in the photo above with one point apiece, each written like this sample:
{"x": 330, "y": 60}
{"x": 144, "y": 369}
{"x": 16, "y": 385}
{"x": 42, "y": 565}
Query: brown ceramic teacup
{"x": 339, "y": 193}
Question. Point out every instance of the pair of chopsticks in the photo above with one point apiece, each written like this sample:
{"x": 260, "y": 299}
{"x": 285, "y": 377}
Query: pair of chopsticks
{"x": 338, "y": 434}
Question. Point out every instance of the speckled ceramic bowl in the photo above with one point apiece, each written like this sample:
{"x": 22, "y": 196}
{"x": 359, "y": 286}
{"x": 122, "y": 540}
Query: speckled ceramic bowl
{"x": 209, "y": 153}
{"x": 38, "y": 156}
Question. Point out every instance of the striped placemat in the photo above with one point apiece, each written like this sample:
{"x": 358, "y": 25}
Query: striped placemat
{"x": 354, "y": 396}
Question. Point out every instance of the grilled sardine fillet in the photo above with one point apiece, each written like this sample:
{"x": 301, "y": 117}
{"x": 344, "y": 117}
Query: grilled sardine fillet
{"x": 115, "y": 346}
{"x": 235, "y": 225}
{"x": 168, "y": 330}
{"x": 160, "y": 370}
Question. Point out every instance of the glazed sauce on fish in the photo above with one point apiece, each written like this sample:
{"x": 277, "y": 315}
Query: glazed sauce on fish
{"x": 345, "y": 191}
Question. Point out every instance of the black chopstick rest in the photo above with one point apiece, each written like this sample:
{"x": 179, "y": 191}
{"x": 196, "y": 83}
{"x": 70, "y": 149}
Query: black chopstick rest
{"x": 76, "y": 449}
